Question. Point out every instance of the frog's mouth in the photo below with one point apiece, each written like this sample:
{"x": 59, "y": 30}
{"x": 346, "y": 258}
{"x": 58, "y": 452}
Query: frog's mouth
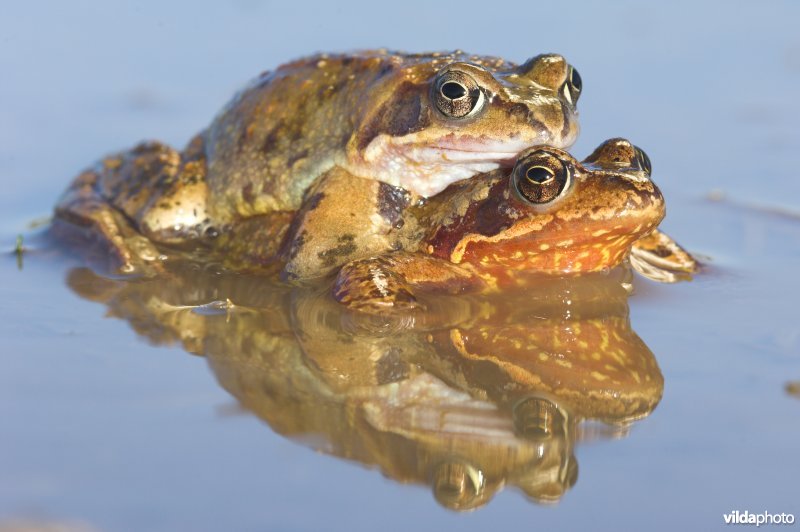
{"x": 498, "y": 159}
{"x": 559, "y": 247}
{"x": 568, "y": 254}
{"x": 445, "y": 165}
{"x": 427, "y": 169}
{"x": 471, "y": 150}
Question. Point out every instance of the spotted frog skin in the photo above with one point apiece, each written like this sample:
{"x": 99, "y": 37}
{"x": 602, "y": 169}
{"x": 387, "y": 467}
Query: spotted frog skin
{"x": 549, "y": 214}
{"x": 314, "y": 136}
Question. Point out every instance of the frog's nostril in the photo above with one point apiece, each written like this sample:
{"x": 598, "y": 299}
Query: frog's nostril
{"x": 547, "y": 70}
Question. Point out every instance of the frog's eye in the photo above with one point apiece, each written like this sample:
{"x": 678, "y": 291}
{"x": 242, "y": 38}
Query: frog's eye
{"x": 571, "y": 90}
{"x": 456, "y": 94}
{"x": 642, "y": 160}
{"x": 541, "y": 177}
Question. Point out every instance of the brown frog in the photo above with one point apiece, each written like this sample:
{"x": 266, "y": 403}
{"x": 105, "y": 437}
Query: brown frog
{"x": 550, "y": 214}
{"x": 315, "y": 136}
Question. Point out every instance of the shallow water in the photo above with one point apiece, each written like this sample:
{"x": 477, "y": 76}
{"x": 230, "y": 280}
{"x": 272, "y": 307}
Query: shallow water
{"x": 109, "y": 423}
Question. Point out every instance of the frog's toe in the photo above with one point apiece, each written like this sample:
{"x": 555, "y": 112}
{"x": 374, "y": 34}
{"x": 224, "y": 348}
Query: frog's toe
{"x": 138, "y": 256}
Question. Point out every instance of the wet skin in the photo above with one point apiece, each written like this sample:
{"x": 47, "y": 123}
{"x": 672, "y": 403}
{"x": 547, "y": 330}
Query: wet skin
{"x": 318, "y": 136}
{"x": 549, "y": 215}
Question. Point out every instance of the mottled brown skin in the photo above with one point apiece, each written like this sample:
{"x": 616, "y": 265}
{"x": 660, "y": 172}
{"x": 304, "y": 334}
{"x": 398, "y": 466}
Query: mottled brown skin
{"x": 366, "y": 113}
{"x": 317, "y": 123}
{"x": 481, "y": 234}
{"x": 131, "y": 201}
{"x": 522, "y": 352}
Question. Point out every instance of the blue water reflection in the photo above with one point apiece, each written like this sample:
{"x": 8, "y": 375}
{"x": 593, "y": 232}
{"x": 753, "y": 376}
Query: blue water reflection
{"x": 99, "y": 427}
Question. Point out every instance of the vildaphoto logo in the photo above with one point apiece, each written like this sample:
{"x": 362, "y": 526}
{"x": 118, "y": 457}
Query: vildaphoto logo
{"x": 765, "y": 518}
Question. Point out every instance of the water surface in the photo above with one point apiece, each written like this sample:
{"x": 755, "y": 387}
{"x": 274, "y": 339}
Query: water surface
{"x": 108, "y": 421}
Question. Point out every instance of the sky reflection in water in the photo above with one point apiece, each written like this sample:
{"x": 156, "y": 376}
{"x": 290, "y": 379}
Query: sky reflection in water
{"x": 100, "y": 427}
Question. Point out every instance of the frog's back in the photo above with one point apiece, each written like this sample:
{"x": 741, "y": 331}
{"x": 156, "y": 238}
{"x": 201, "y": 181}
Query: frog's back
{"x": 286, "y": 128}
{"x": 292, "y": 124}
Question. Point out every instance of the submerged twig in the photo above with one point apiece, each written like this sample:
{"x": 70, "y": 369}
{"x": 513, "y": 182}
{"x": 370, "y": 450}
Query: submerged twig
{"x": 19, "y": 250}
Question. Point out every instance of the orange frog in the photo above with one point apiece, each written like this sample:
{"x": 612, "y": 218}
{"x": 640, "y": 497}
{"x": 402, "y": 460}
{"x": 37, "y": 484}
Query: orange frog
{"x": 549, "y": 215}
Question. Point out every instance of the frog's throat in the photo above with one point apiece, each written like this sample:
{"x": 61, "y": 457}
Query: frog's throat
{"x": 556, "y": 253}
{"x": 427, "y": 169}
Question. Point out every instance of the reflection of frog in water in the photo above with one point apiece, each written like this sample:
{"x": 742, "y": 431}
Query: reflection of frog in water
{"x": 793, "y": 388}
{"x": 364, "y": 129}
{"x": 467, "y": 398}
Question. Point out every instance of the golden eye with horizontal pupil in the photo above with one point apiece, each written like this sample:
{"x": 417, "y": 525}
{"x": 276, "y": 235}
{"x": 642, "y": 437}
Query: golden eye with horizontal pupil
{"x": 457, "y": 95}
{"x": 642, "y": 160}
{"x": 539, "y": 175}
{"x": 572, "y": 87}
{"x": 541, "y": 178}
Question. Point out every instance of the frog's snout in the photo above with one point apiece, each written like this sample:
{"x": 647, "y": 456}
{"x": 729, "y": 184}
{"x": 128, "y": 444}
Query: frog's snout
{"x": 647, "y": 206}
{"x": 555, "y": 73}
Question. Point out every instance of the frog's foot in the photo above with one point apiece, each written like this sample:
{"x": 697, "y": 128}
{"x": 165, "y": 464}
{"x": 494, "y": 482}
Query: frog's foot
{"x": 81, "y": 214}
{"x": 659, "y": 258}
{"x": 389, "y": 282}
{"x": 373, "y": 286}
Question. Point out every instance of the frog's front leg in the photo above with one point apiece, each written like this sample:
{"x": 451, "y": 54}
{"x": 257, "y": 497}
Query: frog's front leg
{"x": 659, "y": 258}
{"x": 343, "y": 218}
{"x": 389, "y": 282}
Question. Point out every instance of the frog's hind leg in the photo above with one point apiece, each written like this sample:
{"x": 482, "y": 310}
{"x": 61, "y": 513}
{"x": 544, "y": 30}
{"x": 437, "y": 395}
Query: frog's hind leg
{"x": 130, "y": 201}
{"x": 83, "y": 215}
{"x": 659, "y": 258}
